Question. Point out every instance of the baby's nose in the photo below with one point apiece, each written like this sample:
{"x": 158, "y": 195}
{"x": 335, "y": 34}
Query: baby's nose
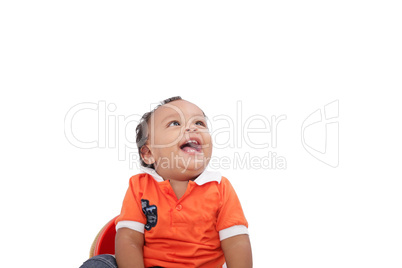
{"x": 191, "y": 129}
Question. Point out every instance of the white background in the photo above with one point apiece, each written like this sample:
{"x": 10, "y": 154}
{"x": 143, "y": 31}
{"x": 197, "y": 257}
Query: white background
{"x": 277, "y": 58}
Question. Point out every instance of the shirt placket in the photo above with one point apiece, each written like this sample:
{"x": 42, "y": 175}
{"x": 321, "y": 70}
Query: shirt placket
{"x": 177, "y": 206}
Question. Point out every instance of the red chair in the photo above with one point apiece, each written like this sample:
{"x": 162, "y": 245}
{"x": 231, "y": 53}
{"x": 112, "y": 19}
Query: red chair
{"x": 104, "y": 241}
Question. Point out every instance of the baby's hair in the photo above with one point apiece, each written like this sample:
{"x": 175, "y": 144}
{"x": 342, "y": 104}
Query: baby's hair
{"x": 142, "y": 129}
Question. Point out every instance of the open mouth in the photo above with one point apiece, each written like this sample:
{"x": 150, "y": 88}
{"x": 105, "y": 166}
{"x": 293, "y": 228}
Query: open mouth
{"x": 191, "y": 146}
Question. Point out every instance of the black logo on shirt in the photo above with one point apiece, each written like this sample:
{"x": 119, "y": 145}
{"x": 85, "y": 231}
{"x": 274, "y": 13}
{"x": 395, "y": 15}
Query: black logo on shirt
{"x": 151, "y": 212}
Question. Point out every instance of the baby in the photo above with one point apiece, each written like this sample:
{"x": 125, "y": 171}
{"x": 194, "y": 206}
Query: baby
{"x": 176, "y": 213}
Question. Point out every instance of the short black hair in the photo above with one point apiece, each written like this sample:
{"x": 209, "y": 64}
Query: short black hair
{"x": 142, "y": 129}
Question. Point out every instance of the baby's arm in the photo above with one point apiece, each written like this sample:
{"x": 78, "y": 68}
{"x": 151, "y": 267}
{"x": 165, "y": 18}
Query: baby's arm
{"x": 129, "y": 245}
{"x": 237, "y": 250}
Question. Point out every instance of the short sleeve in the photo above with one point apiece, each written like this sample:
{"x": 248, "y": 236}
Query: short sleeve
{"x": 131, "y": 215}
{"x": 231, "y": 220}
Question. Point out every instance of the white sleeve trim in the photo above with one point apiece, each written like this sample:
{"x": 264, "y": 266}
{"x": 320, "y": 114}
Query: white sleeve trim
{"x": 133, "y": 225}
{"x": 232, "y": 231}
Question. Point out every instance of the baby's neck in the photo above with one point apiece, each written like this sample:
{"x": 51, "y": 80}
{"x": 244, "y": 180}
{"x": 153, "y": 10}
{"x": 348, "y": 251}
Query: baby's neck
{"x": 178, "y": 175}
{"x": 179, "y": 187}
{"x": 178, "y": 180}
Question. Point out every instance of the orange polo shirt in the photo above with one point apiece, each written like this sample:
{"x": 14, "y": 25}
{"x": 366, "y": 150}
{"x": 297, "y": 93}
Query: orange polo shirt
{"x": 183, "y": 232}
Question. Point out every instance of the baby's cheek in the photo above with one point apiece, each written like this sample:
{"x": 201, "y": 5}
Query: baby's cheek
{"x": 173, "y": 139}
{"x": 167, "y": 141}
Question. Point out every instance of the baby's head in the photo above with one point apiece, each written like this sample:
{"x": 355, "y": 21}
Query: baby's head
{"x": 174, "y": 139}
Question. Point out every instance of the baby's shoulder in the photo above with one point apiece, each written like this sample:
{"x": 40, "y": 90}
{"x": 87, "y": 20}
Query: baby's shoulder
{"x": 141, "y": 179}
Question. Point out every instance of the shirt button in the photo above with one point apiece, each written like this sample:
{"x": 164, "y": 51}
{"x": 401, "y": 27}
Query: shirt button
{"x": 179, "y": 207}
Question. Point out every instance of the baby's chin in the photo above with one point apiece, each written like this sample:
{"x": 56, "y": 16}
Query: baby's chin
{"x": 193, "y": 170}
{"x": 187, "y": 171}
{"x": 188, "y": 175}
{"x": 193, "y": 165}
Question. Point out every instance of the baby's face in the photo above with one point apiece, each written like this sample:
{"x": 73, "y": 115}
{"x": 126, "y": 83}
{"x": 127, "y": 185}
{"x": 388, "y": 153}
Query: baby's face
{"x": 179, "y": 140}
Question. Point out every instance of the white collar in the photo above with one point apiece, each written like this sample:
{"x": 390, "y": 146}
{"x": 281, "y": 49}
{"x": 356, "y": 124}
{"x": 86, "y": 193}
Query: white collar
{"x": 204, "y": 177}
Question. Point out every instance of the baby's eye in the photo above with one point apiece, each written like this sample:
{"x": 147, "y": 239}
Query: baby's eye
{"x": 200, "y": 123}
{"x": 174, "y": 123}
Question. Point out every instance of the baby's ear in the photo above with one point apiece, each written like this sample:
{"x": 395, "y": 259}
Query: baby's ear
{"x": 146, "y": 155}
